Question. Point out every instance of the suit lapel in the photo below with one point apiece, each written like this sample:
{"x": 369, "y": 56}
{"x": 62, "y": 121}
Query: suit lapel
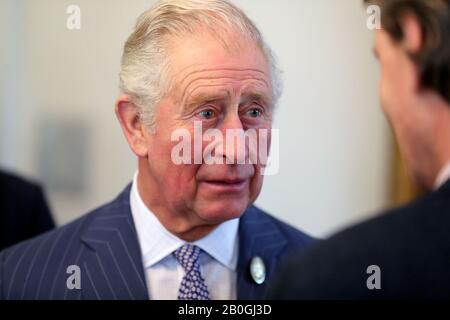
{"x": 113, "y": 266}
{"x": 258, "y": 236}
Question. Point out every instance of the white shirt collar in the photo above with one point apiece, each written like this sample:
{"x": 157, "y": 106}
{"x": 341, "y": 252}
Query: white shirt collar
{"x": 442, "y": 177}
{"x": 157, "y": 242}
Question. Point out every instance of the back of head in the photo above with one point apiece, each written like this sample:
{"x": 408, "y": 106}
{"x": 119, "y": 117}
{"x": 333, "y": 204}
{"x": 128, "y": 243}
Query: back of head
{"x": 433, "y": 59}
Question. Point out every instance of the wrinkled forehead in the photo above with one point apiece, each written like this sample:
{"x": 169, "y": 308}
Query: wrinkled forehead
{"x": 222, "y": 82}
{"x": 203, "y": 57}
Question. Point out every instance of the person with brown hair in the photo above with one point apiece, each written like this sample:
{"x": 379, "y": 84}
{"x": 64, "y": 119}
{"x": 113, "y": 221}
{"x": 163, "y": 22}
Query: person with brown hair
{"x": 404, "y": 253}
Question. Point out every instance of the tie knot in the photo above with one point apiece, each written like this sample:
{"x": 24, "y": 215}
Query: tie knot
{"x": 187, "y": 256}
{"x": 193, "y": 286}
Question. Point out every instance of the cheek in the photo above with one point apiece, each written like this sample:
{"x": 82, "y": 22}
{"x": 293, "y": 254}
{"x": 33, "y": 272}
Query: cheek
{"x": 390, "y": 89}
{"x": 384, "y": 97}
{"x": 395, "y": 83}
{"x": 176, "y": 180}
{"x": 256, "y": 183}
{"x": 264, "y": 143}
{"x": 264, "y": 149}
{"x": 179, "y": 185}
{"x": 385, "y": 82}
{"x": 180, "y": 178}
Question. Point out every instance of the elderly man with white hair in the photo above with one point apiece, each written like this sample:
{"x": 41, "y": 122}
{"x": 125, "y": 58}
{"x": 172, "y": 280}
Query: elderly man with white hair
{"x": 180, "y": 230}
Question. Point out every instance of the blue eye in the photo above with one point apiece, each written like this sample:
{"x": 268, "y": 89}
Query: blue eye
{"x": 254, "y": 113}
{"x": 207, "y": 114}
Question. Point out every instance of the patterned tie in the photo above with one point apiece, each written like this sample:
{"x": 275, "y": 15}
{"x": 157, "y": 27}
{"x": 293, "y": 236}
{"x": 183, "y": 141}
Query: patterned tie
{"x": 193, "y": 285}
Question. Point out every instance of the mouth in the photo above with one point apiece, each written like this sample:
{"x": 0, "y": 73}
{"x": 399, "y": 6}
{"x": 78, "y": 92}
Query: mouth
{"x": 234, "y": 185}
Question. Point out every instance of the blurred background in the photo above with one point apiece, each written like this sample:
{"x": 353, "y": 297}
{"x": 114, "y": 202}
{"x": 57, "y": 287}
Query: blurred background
{"x": 338, "y": 163}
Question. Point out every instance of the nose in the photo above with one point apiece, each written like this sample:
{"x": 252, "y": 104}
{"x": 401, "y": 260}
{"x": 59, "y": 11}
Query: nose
{"x": 234, "y": 145}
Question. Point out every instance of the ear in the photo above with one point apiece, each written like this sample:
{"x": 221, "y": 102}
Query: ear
{"x": 412, "y": 33}
{"x": 412, "y": 43}
{"x": 134, "y": 130}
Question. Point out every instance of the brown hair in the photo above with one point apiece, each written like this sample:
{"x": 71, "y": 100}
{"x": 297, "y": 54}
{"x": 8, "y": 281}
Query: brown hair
{"x": 433, "y": 59}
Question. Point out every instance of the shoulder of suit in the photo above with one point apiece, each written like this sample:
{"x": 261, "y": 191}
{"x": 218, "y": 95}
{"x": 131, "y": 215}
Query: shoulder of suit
{"x": 62, "y": 235}
{"x": 13, "y": 183}
{"x": 396, "y": 230}
{"x": 291, "y": 233}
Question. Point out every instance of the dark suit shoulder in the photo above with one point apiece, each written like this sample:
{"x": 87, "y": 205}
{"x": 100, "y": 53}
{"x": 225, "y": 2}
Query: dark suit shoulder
{"x": 31, "y": 263}
{"x": 42, "y": 255}
{"x": 293, "y": 235}
{"x": 15, "y": 182}
{"x": 71, "y": 229}
{"x": 59, "y": 234}
{"x": 410, "y": 245}
{"x": 424, "y": 221}
{"x": 23, "y": 208}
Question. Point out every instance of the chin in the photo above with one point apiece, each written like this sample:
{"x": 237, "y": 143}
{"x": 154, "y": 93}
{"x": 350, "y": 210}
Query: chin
{"x": 221, "y": 210}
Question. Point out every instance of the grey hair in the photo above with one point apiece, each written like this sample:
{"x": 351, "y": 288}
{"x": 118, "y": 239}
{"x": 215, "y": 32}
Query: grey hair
{"x": 144, "y": 70}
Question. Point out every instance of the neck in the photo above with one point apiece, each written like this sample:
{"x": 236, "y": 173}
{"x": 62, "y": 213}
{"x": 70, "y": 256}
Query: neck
{"x": 443, "y": 176}
{"x": 440, "y": 139}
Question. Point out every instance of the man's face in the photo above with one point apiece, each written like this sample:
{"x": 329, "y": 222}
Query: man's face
{"x": 222, "y": 89}
{"x": 398, "y": 93}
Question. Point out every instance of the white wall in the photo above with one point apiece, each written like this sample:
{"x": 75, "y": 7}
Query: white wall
{"x": 334, "y": 139}
{"x": 10, "y": 77}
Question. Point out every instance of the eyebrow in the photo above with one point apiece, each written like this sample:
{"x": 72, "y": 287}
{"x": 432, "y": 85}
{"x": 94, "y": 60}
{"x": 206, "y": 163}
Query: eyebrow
{"x": 205, "y": 98}
{"x": 258, "y": 97}
{"x": 194, "y": 101}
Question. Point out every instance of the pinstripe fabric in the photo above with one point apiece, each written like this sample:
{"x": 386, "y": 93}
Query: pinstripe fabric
{"x": 104, "y": 245}
{"x": 270, "y": 239}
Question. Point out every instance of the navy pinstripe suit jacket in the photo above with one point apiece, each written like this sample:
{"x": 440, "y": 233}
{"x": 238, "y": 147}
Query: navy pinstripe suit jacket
{"x": 104, "y": 245}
